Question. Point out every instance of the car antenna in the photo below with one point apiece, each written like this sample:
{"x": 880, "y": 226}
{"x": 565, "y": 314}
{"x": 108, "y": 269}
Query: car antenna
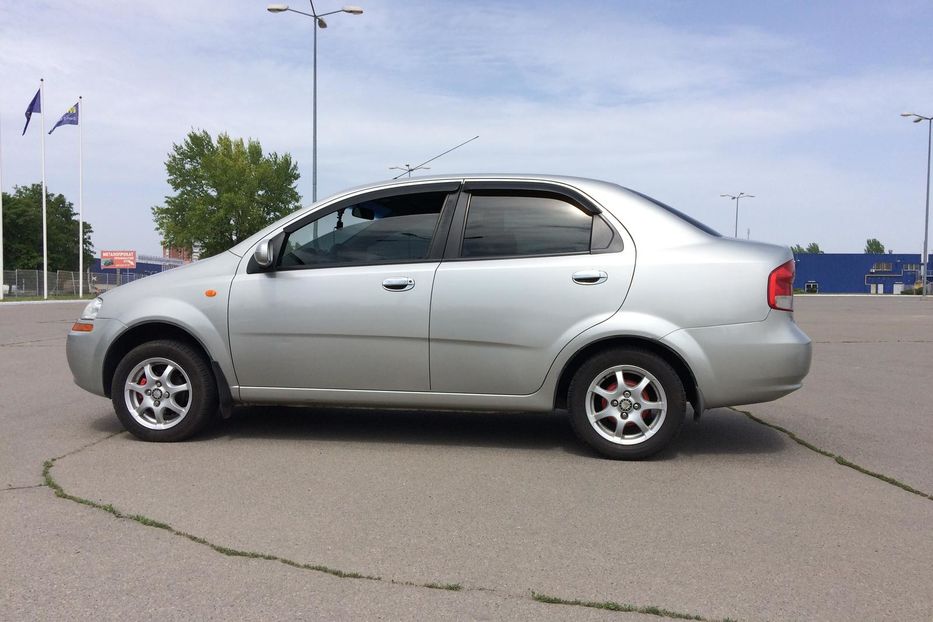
{"x": 409, "y": 169}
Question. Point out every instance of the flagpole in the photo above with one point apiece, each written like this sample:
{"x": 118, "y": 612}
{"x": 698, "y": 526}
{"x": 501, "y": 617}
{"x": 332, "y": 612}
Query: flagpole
{"x": 45, "y": 251}
{"x": 80, "y": 197}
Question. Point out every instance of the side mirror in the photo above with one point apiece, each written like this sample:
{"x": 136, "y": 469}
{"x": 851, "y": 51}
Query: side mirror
{"x": 265, "y": 254}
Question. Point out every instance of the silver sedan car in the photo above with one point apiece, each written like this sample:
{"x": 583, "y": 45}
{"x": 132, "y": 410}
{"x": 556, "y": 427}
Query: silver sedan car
{"x": 506, "y": 293}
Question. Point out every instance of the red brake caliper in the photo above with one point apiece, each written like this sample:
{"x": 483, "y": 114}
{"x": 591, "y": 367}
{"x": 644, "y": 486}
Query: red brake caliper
{"x": 142, "y": 383}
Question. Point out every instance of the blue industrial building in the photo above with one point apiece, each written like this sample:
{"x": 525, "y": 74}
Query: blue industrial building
{"x": 857, "y": 273}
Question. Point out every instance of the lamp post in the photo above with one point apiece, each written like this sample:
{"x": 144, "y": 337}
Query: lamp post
{"x": 917, "y": 118}
{"x": 736, "y": 197}
{"x": 318, "y": 23}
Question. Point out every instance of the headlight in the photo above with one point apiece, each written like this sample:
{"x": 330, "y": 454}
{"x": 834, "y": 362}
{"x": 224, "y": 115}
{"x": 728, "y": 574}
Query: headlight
{"x": 92, "y": 309}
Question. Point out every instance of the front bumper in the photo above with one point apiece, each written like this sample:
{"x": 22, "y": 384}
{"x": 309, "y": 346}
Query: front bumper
{"x": 86, "y": 352}
{"x": 746, "y": 363}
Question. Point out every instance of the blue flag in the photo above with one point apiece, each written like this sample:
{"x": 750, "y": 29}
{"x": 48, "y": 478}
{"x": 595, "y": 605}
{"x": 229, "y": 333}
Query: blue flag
{"x": 34, "y": 106}
{"x": 69, "y": 118}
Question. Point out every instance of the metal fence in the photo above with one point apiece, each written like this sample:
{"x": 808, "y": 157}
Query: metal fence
{"x": 24, "y": 283}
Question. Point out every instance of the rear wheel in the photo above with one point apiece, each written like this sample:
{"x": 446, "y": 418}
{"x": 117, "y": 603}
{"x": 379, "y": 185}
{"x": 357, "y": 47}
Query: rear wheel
{"x": 626, "y": 403}
{"x": 163, "y": 391}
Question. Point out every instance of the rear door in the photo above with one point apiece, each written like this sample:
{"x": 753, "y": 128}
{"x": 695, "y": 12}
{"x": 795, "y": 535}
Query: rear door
{"x": 528, "y": 266}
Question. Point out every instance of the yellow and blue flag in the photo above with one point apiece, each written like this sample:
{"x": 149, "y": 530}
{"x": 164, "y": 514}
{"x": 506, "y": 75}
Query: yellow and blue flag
{"x": 34, "y": 106}
{"x": 69, "y": 118}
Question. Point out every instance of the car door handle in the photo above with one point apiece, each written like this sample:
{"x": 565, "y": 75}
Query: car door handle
{"x": 590, "y": 277}
{"x": 398, "y": 284}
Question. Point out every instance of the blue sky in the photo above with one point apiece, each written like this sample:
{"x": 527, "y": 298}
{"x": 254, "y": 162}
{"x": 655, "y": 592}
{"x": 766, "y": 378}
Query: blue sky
{"x": 795, "y": 102}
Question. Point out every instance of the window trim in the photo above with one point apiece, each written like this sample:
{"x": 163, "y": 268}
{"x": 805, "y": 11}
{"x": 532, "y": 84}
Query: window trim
{"x": 454, "y": 246}
{"x": 441, "y": 186}
{"x": 570, "y": 195}
{"x": 438, "y": 237}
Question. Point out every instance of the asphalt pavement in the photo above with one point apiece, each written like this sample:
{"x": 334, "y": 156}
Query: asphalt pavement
{"x": 265, "y": 515}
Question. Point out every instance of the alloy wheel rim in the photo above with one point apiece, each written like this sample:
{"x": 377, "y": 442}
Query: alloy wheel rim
{"x": 626, "y": 405}
{"x": 158, "y": 393}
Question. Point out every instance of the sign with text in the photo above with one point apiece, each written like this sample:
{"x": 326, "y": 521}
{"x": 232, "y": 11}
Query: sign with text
{"x": 117, "y": 259}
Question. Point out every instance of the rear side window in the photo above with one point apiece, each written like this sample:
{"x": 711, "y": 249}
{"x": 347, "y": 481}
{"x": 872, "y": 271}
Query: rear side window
{"x": 520, "y": 225}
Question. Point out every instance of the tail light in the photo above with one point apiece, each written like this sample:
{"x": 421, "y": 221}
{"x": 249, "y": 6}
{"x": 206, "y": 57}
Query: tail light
{"x": 781, "y": 287}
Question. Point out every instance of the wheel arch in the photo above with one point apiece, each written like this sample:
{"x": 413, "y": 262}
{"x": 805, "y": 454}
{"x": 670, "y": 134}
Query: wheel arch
{"x": 675, "y": 360}
{"x": 142, "y": 333}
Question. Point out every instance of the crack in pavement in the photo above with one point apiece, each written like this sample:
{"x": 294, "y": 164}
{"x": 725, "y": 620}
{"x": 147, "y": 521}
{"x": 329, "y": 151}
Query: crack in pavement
{"x": 623, "y": 607}
{"x": 21, "y": 487}
{"x": 839, "y": 459}
{"x": 32, "y": 341}
{"x": 532, "y": 595}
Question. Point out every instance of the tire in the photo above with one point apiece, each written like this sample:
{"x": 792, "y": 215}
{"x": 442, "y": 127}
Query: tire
{"x": 143, "y": 379}
{"x": 599, "y": 405}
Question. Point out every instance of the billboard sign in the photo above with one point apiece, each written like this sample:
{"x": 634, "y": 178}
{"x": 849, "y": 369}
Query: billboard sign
{"x": 117, "y": 259}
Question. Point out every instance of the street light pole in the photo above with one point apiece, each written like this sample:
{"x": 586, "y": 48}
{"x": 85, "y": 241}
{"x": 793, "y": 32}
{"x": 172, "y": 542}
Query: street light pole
{"x": 314, "y": 115}
{"x": 736, "y": 197}
{"x": 318, "y": 23}
{"x": 926, "y": 219}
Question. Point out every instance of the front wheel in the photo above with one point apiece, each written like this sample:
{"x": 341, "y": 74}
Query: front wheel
{"x": 627, "y": 404}
{"x": 163, "y": 391}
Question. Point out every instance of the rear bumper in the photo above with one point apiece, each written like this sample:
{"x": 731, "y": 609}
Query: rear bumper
{"x": 86, "y": 352}
{"x": 746, "y": 363}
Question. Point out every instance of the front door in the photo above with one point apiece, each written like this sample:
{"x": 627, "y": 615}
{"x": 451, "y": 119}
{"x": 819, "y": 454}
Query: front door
{"x": 347, "y": 304}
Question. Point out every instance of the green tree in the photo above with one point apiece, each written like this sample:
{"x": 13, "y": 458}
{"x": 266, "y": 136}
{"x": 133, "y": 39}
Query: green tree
{"x": 873, "y": 246}
{"x": 224, "y": 192}
{"x": 22, "y": 231}
{"x": 812, "y": 248}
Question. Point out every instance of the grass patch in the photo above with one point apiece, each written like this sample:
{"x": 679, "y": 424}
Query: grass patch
{"x": 622, "y": 607}
{"x": 148, "y": 522}
{"x": 839, "y": 459}
{"x": 453, "y": 587}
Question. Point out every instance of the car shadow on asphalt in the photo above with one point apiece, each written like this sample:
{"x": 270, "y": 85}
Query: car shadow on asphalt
{"x": 723, "y": 431}
{"x": 718, "y": 432}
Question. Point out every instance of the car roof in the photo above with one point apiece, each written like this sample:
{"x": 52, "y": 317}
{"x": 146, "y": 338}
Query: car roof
{"x": 577, "y": 182}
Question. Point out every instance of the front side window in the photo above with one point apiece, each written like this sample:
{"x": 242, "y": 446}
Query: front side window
{"x": 384, "y": 230}
{"x": 519, "y": 225}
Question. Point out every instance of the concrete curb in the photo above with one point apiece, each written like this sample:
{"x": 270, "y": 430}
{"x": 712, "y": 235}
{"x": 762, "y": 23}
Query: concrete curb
{"x": 4, "y": 302}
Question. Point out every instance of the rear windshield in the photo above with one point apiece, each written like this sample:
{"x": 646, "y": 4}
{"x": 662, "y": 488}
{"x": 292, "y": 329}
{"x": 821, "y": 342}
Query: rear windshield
{"x": 667, "y": 208}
